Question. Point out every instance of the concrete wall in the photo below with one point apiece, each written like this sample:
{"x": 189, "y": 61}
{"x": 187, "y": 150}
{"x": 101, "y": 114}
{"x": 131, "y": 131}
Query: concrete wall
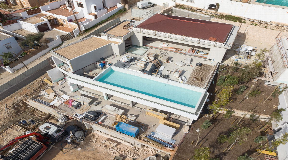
{"x": 89, "y": 3}
{"x": 111, "y": 3}
{"x": 52, "y": 5}
{"x": 105, "y": 16}
{"x": 24, "y": 75}
{"x": 44, "y": 108}
{"x": 91, "y": 57}
{"x": 12, "y": 27}
{"x": 101, "y": 12}
{"x": 12, "y": 33}
{"x": 283, "y": 78}
{"x": 118, "y": 49}
{"x": 9, "y": 45}
{"x": 29, "y": 27}
{"x": 137, "y": 39}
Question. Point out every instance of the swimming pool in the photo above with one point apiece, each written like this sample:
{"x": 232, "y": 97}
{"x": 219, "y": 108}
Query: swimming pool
{"x": 274, "y": 2}
{"x": 164, "y": 91}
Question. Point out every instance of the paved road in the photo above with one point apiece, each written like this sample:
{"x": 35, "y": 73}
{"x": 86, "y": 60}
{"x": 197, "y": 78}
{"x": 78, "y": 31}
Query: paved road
{"x": 24, "y": 82}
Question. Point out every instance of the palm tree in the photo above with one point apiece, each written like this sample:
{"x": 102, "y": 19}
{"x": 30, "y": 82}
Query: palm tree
{"x": 6, "y": 58}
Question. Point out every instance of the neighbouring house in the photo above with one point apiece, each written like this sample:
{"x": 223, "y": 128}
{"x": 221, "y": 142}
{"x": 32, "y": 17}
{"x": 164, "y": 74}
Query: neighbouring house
{"x": 94, "y": 8}
{"x": 8, "y": 44}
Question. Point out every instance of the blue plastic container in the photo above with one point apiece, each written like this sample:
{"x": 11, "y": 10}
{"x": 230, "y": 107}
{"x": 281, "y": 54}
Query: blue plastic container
{"x": 127, "y": 129}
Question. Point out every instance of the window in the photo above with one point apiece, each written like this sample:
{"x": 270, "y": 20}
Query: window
{"x": 80, "y": 5}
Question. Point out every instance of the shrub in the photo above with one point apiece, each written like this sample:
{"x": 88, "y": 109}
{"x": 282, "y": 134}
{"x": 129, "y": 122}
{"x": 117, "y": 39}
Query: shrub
{"x": 31, "y": 38}
{"x": 253, "y": 117}
{"x": 255, "y": 92}
{"x": 241, "y": 89}
{"x": 228, "y": 113}
{"x": 245, "y": 157}
{"x": 206, "y": 124}
{"x": 231, "y": 80}
{"x": 222, "y": 138}
{"x": 202, "y": 153}
{"x": 221, "y": 81}
{"x": 276, "y": 115}
{"x": 259, "y": 139}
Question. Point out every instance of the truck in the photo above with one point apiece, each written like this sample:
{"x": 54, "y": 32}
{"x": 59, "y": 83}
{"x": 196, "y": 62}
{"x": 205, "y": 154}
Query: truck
{"x": 26, "y": 147}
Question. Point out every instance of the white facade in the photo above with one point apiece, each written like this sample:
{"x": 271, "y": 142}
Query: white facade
{"x": 94, "y": 6}
{"x": 9, "y": 44}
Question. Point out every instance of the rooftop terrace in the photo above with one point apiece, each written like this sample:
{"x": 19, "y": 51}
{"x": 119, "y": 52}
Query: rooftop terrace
{"x": 82, "y": 47}
{"x": 119, "y": 30}
{"x": 35, "y": 19}
{"x": 188, "y": 27}
{"x": 62, "y": 10}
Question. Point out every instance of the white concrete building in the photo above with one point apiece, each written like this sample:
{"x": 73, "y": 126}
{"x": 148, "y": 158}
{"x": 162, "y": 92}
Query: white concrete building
{"x": 94, "y": 8}
{"x": 79, "y": 62}
{"x": 8, "y": 44}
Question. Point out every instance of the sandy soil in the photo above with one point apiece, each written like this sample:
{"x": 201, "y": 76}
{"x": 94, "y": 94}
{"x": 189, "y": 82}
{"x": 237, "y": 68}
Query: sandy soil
{"x": 208, "y": 138}
{"x": 96, "y": 147}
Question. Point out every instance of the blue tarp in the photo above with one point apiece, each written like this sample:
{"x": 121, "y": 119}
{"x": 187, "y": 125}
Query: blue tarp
{"x": 127, "y": 129}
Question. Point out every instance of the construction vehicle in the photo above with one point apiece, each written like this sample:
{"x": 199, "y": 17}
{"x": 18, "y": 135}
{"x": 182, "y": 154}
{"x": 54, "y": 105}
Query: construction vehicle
{"x": 27, "y": 147}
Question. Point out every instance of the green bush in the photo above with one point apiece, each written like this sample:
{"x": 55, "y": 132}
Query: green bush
{"x": 221, "y": 81}
{"x": 276, "y": 115}
{"x": 222, "y": 138}
{"x": 231, "y": 80}
{"x": 245, "y": 157}
{"x": 31, "y": 38}
{"x": 206, "y": 124}
{"x": 253, "y": 117}
{"x": 255, "y": 92}
{"x": 228, "y": 113}
{"x": 259, "y": 139}
{"x": 241, "y": 89}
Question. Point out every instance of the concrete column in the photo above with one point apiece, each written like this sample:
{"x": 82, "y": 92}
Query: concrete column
{"x": 131, "y": 103}
{"x": 137, "y": 39}
{"x": 105, "y": 96}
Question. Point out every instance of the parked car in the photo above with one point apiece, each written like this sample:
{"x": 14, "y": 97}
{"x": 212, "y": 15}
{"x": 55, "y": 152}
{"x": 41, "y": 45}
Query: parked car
{"x": 144, "y": 4}
{"x": 92, "y": 115}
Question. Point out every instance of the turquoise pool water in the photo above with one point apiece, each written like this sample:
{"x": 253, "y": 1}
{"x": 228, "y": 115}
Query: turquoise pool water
{"x": 152, "y": 88}
{"x": 275, "y": 2}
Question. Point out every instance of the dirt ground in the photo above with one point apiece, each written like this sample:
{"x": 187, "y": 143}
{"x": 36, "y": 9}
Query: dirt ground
{"x": 96, "y": 147}
{"x": 208, "y": 138}
{"x": 251, "y": 104}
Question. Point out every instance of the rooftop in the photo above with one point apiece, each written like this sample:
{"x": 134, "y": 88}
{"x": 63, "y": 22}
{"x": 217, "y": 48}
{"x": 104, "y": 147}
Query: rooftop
{"x": 80, "y": 48}
{"x": 119, "y": 30}
{"x": 35, "y": 19}
{"x": 62, "y": 10}
{"x": 188, "y": 27}
{"x": 4, "y": 36}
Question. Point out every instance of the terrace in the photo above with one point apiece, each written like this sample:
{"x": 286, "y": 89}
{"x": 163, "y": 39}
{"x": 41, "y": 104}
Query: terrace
{"x": 35, "y": 19}
{"x": 93, "y": 101}
{"x": 168, "y": 64}
{"x": 62, "y": 10}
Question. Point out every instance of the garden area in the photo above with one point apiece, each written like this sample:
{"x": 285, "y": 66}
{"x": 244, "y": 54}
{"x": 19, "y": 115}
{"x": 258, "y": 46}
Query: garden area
{"x": 226, "y": 136}
{"x": 30, "y": 46}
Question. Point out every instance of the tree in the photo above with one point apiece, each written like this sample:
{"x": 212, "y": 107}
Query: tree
{"x": 3, "y": 5}
{"x": 6, "y": 58}
{"x": 282, "y": 140}
{"x": 276, "y": 115}
{"x": 239, "y": 135}
{"x": 222, "y": 138}
{"x": 223, "y": 99}
{"x": 202, "y": 154}
{"x": 31, "y": 39}
{"x": 245, "y": 157}
{"x": 206, "y": 124}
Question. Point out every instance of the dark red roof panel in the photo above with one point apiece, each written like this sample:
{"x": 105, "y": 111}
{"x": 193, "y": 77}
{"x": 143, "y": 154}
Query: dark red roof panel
{"x": 188, "y": 27}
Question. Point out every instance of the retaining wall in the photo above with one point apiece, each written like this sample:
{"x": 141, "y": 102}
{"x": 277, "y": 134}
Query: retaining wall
{"x": 24, "y": 75}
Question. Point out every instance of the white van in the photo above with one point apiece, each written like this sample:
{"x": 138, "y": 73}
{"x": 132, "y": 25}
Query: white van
{"x": 144, "y": 4}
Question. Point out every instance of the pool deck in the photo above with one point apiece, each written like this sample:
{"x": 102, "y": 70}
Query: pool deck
{"x": 178, "y": 62}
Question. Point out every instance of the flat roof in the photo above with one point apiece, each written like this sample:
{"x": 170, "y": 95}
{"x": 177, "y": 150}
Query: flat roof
{"x": 82, "y": 47}
{"x": 62, "y": 10}
{"x": 4, "y": 36}
{"x": 188, "y": 27}
{"x": 119, "y": 30}
{"x": 35, "y": 19}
